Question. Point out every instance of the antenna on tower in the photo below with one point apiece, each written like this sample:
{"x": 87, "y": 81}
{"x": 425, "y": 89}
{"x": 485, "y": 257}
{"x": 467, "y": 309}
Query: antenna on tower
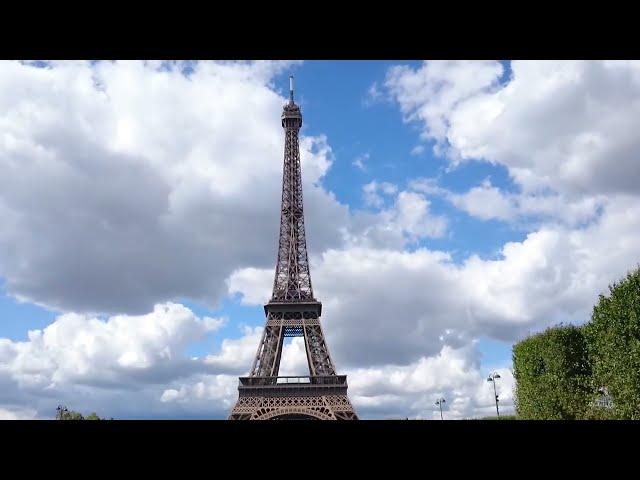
{"x": 290, "y": 88}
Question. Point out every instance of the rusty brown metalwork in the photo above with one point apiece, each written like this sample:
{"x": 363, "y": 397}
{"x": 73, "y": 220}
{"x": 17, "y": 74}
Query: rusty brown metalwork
{"x": 292, "y": 311}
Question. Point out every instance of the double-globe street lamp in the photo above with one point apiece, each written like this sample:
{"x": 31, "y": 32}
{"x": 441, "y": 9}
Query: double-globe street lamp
{"x": 62, "y": 412}
{"x": 492, "y": 378}
{"x": 439, "y": 402}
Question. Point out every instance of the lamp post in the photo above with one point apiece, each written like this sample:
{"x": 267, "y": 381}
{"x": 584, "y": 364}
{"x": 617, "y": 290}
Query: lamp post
{"x": 61, "y": 412}
{"x": 439, "y": 402}
{"x": 492, "y": 378}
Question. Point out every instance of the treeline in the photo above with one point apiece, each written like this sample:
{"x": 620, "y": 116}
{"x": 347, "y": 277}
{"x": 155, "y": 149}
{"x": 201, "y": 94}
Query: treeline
{"x": 586, "y": 372}
{"x": 63, "y": 413}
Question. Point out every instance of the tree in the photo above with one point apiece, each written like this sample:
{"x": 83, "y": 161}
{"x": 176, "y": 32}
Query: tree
{"x": 613, "y": 339}
{"x": 63, "y": 413}
{"x": 553, "y": 375}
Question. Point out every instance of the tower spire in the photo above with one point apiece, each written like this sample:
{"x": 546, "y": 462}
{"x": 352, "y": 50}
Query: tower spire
{"x": 290, "y": 88}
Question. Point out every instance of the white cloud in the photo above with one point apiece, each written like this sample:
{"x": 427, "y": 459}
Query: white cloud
{"x": 122, "y": 349}
{"x": 432, "y": 92}
{"x": 392, "y": 306}
{"x": 371, "y": 192}
{"x": 417, "y": 150}
{"x": 360, "y": 161}
{"x": 407, "y": 220}
{"x": 236, "y": 355}
{"x": 568, "y": 125}
{"x": 122, "y": 366}
{"x": 250, "y": 282}
{"x": 294, "y": 358}
{"x": 139, "y": 164}
{"x": 208, "y": 388}
{"x": 374, "y": 95}
{"x": 17, "y": 413}
{"x": 413, "y": 217}
{"x": 428, "y": 186}
{"x": 564, "y": 130}
{"x": 488, "y": 202}
{"x": 485, "y": 202}
{"x": 411, "y": 390}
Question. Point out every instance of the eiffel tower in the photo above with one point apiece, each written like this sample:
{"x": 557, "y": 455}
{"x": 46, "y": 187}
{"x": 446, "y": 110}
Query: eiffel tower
{"x": 292, "y": 312}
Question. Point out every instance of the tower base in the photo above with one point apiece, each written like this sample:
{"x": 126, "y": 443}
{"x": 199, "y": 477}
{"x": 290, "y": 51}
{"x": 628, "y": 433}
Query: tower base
{"x": 289, "y": 398}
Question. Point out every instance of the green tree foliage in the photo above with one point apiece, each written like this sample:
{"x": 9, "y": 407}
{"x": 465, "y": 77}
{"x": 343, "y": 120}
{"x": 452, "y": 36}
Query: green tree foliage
{"x": 613, "y": 339}
{"x": 561, "y": 372}
{"x": 553, "y": 375}
{"x": 62, "y": 413}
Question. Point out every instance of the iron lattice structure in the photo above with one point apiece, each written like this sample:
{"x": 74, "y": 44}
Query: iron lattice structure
{"x": 292, "y": 311}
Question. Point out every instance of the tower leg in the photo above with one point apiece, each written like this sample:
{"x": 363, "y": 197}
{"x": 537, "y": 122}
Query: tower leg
{"x": 320, "y": 362}
{"x": 267, "y": 361}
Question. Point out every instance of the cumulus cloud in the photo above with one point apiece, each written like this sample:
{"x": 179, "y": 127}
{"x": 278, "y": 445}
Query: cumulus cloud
{"x": 17, "y": 413}
{"x": 118, "y": 366}
{"x": 429, "y": 94}
{"x": 414, "y": 218}
{"x": 411, "y": 390}
{"x": 393, "y": 306}
{"x": 120, "y": 350}
{"x": 126, "y": 183}
{"x": 406, "y": 220}
{"x": 488, "y": 202}
{"x": 373, "y": 191}
{"x": 568, "y": 125}
{"x": 236, "y": 355}
{"x": 207, "y": 389}
{"x": 485, "y": 202}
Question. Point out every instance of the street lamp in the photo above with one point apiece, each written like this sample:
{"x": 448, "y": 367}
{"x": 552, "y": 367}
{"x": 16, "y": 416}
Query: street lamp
{"x": 439, "y": 402}
{"x": 492, "y": 378}
{"x": 61, "y": 412}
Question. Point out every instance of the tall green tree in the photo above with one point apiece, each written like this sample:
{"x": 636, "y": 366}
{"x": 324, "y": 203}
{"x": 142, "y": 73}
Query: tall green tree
{"x": 613, "y": 339}
{"x": 553, "y": 375}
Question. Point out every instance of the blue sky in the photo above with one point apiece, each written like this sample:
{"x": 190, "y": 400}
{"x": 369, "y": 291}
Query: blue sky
{"x": 336, "y": 103}
{"x": 184, "y": 212}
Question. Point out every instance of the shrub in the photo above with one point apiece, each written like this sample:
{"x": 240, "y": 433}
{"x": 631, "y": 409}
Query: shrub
{"x": 553, "y": 375}
{"x": 613, "y": 339}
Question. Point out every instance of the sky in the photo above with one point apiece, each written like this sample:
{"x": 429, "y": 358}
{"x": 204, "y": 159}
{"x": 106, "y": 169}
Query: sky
{"x": 452, "y": 209}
